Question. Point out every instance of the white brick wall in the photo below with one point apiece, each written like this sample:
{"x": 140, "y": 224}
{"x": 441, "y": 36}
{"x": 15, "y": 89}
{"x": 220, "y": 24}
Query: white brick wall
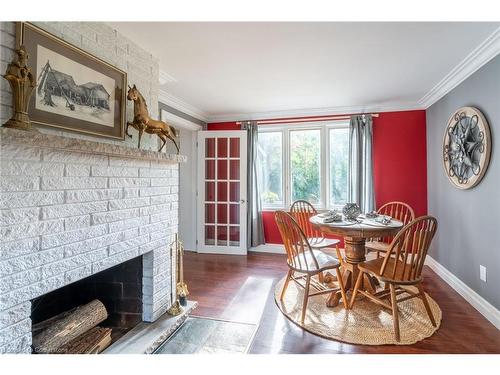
{"x": 105, "y": 43}
{"x": 65, "y": 216}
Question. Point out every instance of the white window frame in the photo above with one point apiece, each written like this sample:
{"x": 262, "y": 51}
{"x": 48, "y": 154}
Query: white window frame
{"x": 286, "y": 129}
{"x": 284, "y": 164}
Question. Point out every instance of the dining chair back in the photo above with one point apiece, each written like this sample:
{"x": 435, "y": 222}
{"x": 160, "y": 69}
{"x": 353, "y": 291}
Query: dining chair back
{"x": 298, "y": 250}
{"x": 302, "y": 211}
{"x": 397, "y": 210}
{"x": 410, "y": 245}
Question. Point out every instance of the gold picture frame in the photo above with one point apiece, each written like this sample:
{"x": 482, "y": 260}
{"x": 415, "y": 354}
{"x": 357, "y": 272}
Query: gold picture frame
{"x": 76, "y": 90}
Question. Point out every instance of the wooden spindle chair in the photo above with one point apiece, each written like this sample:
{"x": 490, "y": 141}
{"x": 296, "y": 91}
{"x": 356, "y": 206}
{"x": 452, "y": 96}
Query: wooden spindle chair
{"x": 304, "y": 262}
{"x": 401, "y": 267}
{"x": 302, "y": 211}
{"x": 397, "y": 210}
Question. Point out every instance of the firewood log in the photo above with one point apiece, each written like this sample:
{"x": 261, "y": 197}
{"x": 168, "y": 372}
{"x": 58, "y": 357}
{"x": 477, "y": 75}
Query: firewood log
{"x": 70, "y": 327}
{"x": 93, "y": 341}
{"x": 39, "y": 327}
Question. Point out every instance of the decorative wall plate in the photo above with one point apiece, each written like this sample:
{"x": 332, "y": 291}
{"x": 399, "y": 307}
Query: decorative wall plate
{"x": 466, "y": 147}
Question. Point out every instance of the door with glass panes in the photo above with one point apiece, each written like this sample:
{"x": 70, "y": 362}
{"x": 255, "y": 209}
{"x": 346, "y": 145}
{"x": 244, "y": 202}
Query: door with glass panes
{"x": 222, "y": 192}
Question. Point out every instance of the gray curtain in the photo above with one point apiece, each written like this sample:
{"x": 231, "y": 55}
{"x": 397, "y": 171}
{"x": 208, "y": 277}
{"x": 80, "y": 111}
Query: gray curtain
{"x": 255, "y": 227}
{"x": 360, "y": 188}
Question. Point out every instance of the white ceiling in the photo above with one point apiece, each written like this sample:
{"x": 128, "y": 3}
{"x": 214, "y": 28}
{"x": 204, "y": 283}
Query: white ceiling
{"x": 230, "y": 70}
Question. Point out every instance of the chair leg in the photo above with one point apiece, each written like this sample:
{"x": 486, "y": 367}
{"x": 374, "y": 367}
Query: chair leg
{"x": 426, "y": 303}
{"x": 356, "y": 288}
{"x": 339, "y": 255}
{"x": 285, "y": 285}
{"x": 306, "y": 298}
{"x": 321, "y": 277}
{"x": 342, "y": 288}
{"x": 395, "y": 312}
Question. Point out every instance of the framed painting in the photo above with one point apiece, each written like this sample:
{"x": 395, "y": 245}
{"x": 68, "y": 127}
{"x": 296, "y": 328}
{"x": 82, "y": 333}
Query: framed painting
{"x": 75, "y": 90}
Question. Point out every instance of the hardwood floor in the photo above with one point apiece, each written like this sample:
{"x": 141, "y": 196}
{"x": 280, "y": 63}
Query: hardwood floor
{"x": 241, "y": 289}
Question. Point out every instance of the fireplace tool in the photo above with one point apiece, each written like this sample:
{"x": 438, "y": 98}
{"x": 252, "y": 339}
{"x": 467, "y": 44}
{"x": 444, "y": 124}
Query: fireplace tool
{"x": 180, "y": 290}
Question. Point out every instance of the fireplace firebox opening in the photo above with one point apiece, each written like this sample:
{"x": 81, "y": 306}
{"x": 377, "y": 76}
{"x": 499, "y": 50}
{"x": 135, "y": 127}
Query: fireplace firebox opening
{"x": 119, "y": 288}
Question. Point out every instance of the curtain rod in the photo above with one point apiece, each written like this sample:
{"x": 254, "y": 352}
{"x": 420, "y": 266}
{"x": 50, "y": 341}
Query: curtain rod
{"x": 306, "y": 119}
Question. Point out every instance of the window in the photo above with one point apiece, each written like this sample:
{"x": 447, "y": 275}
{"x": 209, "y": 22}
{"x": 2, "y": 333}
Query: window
{"x": 306, "y": 161}
{"x": 305, "y": 165}
{"x": 270, "y": 159}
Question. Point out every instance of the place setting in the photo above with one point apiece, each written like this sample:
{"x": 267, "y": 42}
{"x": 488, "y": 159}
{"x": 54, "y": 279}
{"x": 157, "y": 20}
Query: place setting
{"x": 351, "y": 215}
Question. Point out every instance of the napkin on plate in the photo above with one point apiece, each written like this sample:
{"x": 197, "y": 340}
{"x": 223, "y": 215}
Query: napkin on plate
{"x": 383, "y": 219}
{"x": 331, "y": 216}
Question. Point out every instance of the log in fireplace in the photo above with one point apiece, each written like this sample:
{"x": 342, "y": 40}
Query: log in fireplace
{"x": 118, "y": 288}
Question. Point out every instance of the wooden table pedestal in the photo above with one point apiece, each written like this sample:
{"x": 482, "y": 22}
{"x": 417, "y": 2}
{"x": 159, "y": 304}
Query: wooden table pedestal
{"x": 355, "y": 236}
{"x": 354, "y": 254}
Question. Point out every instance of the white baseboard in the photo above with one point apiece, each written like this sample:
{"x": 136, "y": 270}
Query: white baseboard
{"x": 269, "y": 248}
{"x": 489, "y": 311}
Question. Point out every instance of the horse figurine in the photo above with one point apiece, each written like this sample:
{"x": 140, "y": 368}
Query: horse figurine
{"x": 143, "y": 123}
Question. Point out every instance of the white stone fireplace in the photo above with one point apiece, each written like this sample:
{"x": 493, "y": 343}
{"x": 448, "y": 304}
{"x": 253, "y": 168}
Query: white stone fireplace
{"x": 72, "y": 208}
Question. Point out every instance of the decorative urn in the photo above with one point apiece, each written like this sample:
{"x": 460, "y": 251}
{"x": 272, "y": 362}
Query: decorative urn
{"x": 22, "y": 82}
{"x": 351, "y": 211}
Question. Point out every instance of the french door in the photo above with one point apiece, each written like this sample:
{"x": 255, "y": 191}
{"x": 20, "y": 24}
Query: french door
{"x": 222, "y": 192}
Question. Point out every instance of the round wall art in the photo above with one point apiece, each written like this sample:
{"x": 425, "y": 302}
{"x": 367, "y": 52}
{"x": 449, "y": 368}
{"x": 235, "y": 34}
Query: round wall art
{"x": 466, "y": 147}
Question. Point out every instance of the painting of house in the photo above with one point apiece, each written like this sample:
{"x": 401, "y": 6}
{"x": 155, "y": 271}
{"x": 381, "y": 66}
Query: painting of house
{"x": 95, "y": 95}
{"x": 68, "y": 88}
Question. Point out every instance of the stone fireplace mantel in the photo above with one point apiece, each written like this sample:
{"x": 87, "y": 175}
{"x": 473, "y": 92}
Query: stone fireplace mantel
{"x": 71, "y": 208}
{"x": 14, "y": 136}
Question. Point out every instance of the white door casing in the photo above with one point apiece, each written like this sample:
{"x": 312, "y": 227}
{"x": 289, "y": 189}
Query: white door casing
{"x": 222, "y": 192}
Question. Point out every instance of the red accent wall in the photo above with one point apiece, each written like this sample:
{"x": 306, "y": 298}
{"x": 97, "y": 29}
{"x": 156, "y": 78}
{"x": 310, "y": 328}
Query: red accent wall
{"x": 271, "y": 232}
{"x": 400, "y": 159}
{"x": 399, "y": 163}
{"x": 223, "y": 126}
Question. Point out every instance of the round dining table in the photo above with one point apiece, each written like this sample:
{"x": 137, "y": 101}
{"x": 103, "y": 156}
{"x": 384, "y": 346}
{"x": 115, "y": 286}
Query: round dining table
{"x": 355, "y": 234}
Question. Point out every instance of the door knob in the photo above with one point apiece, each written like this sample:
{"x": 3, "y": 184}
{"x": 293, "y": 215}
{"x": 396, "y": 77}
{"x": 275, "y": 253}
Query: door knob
{"x": 242, "y": 201}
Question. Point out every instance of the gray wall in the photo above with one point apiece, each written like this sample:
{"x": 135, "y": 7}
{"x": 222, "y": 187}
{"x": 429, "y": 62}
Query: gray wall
{"x": 187, "y": 179}
{"x": 469, "y": 221}
{"x": 165, "y": 107}
{"x": 187, "y": 189}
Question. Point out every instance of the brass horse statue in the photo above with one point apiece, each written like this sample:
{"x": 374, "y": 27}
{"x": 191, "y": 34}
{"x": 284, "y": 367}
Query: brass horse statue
{"x": 143, "y": 123}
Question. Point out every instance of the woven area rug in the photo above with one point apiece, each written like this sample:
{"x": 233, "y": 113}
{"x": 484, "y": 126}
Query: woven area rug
{"x": 367, "y": 323}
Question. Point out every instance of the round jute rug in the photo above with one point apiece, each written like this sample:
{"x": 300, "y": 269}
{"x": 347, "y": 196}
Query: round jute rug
{"x": 367, "y": 323}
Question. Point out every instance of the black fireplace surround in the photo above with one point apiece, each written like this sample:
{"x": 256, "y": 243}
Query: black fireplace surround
{"x": 119, "y": 288}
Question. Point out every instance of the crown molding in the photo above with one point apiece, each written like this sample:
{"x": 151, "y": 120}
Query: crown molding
{"x": 165, "y": 78}
{"x": 179, "y": 121}
{"x": 181, "y": 105}
{"x": 387, "y": 107}
{"x": 483, "y": 53}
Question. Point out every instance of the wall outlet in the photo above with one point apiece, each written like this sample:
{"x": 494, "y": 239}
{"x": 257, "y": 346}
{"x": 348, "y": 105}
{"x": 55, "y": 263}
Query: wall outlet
{"x": 482, "y": 273}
